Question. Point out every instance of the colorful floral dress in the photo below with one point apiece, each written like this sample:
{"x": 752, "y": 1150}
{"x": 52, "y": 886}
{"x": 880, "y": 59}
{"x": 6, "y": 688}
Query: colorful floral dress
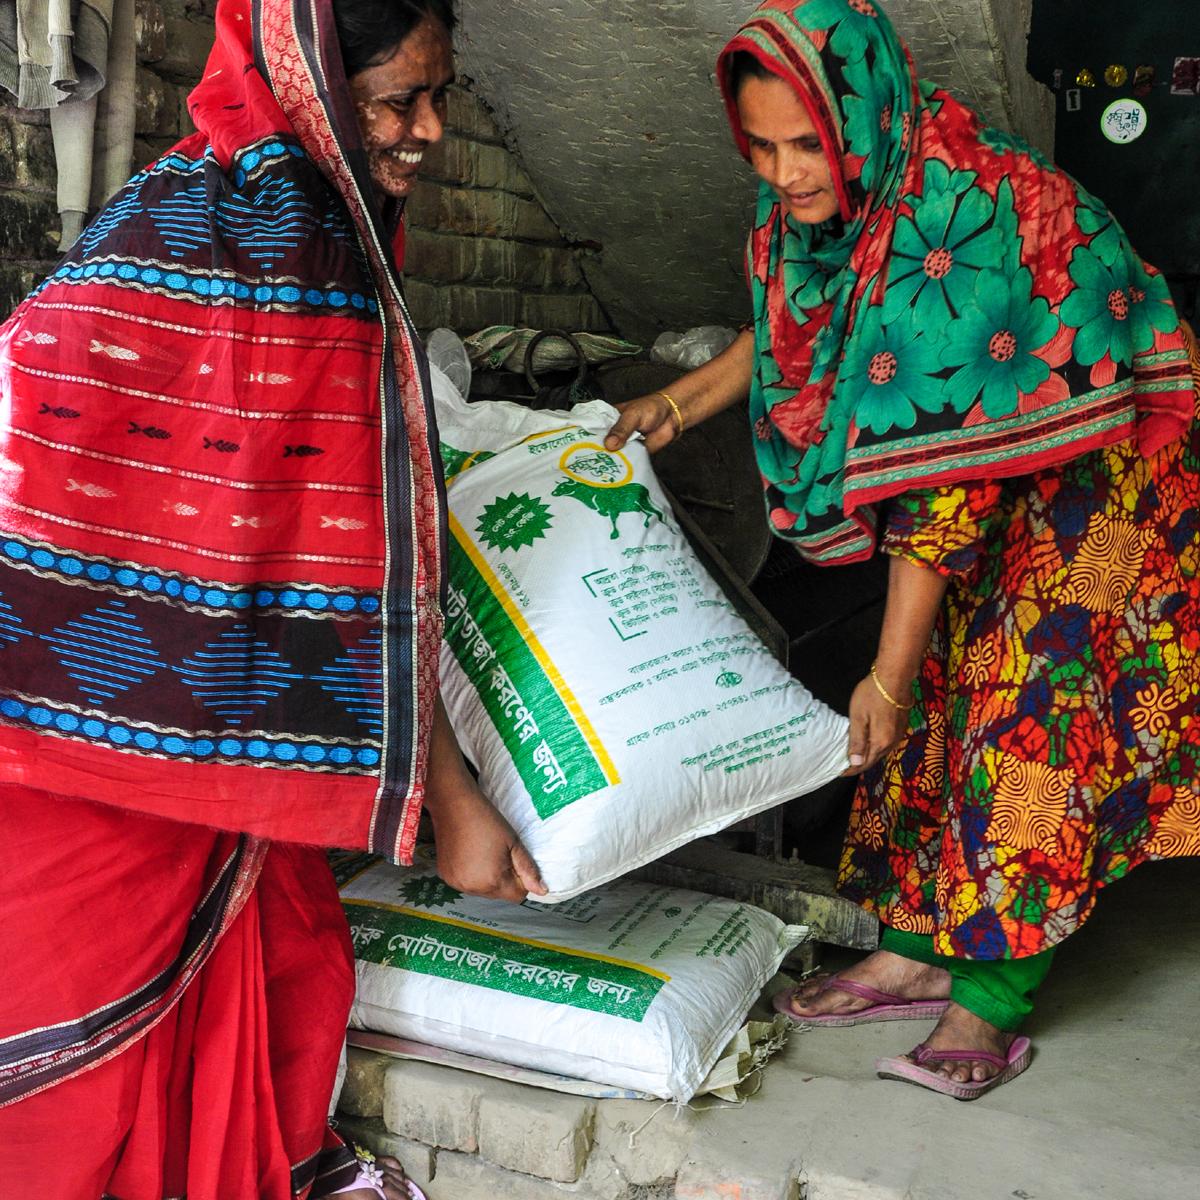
{"x": 1054, "y": 744}
{"x": 973, "y": 366}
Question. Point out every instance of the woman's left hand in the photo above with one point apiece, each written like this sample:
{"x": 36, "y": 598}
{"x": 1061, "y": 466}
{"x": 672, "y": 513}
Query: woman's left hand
{"x": 875, "y": 726}
{"x": 477, "y": 851}
{"x": 915, "y": 592}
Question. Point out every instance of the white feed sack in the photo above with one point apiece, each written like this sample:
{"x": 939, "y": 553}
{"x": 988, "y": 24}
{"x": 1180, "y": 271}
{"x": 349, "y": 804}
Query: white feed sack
{"x": 613, "y": 701}
{"x": 631, "y": 986}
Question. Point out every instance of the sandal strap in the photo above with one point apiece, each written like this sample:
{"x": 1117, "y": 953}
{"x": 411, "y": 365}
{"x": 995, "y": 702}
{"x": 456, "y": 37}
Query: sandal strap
{"x": 862, "y": 991}
{"x": 924, "y": 1053}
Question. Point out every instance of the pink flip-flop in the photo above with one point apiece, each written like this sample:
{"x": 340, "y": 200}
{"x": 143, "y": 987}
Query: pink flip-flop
{"x": 884, "y": 1005}
{"x": 914, "y": 1071}
{"x": 370, "y": 1176}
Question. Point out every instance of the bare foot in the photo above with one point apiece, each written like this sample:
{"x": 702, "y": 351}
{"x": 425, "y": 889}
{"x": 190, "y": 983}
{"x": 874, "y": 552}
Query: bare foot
{"x": 962, "y": 1030}
{"x": 395, "y": 1184}
{"x": 883, "y": 971}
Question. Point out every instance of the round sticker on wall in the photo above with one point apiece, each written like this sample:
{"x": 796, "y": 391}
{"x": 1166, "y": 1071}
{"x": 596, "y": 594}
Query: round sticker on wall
{"x": 1124, "y": 121}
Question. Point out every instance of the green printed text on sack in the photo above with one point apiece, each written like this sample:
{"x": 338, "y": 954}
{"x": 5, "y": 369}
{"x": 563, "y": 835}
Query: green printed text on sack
{"x": 397, "y": 937}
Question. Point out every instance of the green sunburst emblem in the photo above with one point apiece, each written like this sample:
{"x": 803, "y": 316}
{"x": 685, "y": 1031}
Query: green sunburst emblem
{"x": 513, "y": 521}
{"x": 728, "y": 679}
{"x": 429, "y": 892}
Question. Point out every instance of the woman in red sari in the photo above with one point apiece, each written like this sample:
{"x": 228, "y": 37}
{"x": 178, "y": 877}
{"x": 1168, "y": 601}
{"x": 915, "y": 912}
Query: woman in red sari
{"x": 958, "y": 358}
{"x": 221, "y": 576}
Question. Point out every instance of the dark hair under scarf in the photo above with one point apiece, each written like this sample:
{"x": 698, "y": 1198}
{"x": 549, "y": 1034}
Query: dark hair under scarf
{"x": 370, "y": 30}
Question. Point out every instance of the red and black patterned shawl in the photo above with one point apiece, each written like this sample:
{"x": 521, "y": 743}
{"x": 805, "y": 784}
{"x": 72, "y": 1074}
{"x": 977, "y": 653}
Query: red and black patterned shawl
{"x": 222, "y": 522}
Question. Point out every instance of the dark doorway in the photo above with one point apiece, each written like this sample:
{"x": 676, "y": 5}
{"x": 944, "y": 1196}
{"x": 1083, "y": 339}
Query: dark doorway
{"x": 1148, "y": 53}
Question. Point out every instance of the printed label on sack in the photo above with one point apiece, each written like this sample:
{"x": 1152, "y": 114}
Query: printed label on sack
{"x": 401, "y": 937}
{"x": 552, "y": 744}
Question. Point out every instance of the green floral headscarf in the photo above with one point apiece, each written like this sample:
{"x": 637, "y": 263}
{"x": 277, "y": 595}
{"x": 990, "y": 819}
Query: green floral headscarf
{"x": 973, "y": 313}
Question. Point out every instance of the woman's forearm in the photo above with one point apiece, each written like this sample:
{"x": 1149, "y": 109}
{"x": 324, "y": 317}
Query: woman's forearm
{"x": 447, "y": 773}
{"x": 914, "y": 595}
{"x": 662, "y": 416}
{"x": 718, "y": 383}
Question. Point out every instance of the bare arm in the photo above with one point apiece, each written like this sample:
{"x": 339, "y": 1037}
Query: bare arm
{"x": 700, "y": 394}
{"x": 477, "y": 850}
{"x": 913, "y": 597}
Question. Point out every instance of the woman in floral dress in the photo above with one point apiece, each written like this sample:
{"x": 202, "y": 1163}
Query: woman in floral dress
{"x": 957, "y": 358}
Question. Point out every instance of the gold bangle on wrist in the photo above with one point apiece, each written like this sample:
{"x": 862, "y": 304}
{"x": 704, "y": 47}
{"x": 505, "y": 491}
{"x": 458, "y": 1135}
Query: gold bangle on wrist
{"x": 675, "y": 412}
{"x": 886, "y": 694}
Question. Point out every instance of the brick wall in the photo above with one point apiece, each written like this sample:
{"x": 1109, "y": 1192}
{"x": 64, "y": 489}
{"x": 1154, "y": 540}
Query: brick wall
{"x": 463, "y": 1136}
{"x": 482, "y": 250}
{"x": 28, "y": 214}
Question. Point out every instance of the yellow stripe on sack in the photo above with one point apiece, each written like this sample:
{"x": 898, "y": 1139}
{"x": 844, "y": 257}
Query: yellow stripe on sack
{"x": 404, "y": 910}
{"x": 538, "y": 651}
{"x": 466, "y": 464}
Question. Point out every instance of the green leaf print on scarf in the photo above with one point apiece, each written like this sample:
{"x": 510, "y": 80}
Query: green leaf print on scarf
{"x": 931, "y": 94}
{"x": 866, "y": 111}
{"x": 805, "y": 281}
{"x": 937, "y": 253}
{"x": 1151, "y": 309}
{"x": 1003, "y": 142}
{"x": 890, "y": 370}
{"x": 994, "y": 344}
{"x": 1107, "y": 242}
{"x": 827, "y": 347}
{"x": 1099, "y": 308}
{"x": 850, "y": 34}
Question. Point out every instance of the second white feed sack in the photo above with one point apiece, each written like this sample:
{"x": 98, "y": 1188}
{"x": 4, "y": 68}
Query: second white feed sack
{"x": 631, "y": 986}
{"x": 614, "y": 703}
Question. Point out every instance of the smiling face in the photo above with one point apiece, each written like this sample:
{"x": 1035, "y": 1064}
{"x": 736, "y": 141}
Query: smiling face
{"x": 401, "y": 105}
{"x": 785, "y": 149}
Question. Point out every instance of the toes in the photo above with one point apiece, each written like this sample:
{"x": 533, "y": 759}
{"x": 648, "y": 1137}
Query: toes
{"x": 392, "y": 1169}
{"x": 962, "y": 1072}
{"x": 807, "y": 992}
{"x": 806, "y": 997}
{"x": 965, "y": 1072}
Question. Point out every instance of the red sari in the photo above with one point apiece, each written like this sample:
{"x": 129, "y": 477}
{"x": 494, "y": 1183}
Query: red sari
{"x": 221, "y": 545}
{"x": 216, "y": 1083}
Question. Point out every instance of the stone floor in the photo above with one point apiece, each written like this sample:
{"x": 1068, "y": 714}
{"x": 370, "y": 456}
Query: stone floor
{"x": 1110, "y": 1107}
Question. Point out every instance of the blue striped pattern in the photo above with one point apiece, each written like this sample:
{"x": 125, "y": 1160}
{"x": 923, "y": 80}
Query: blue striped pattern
{"x": 182, "y": 220}
{"x": 105, "y": 651}
{"x": 11, "y": 628}
{"x": 236, "y": 675}
{"x": 276, "y": 222}
{"x": 355, "y": 681}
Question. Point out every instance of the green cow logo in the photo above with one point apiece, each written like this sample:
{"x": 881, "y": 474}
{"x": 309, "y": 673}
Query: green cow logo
{"x": 610, "y": 502}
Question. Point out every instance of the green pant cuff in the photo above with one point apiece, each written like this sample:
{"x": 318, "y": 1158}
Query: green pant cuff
{"x": 986, "y": 1006}
{"x": 918, "y": 947}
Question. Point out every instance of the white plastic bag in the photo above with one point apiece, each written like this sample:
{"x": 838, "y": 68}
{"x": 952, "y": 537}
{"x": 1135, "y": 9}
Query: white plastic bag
{"x": 448, "y": 353}
{"x": 614, "y": 703}
{"x": 631, "y": 986}
{"x": 692, "y": 349}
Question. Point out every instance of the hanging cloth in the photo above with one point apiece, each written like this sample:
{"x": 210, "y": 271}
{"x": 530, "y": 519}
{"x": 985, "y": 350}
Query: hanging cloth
{"x": 77, "y": 59}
